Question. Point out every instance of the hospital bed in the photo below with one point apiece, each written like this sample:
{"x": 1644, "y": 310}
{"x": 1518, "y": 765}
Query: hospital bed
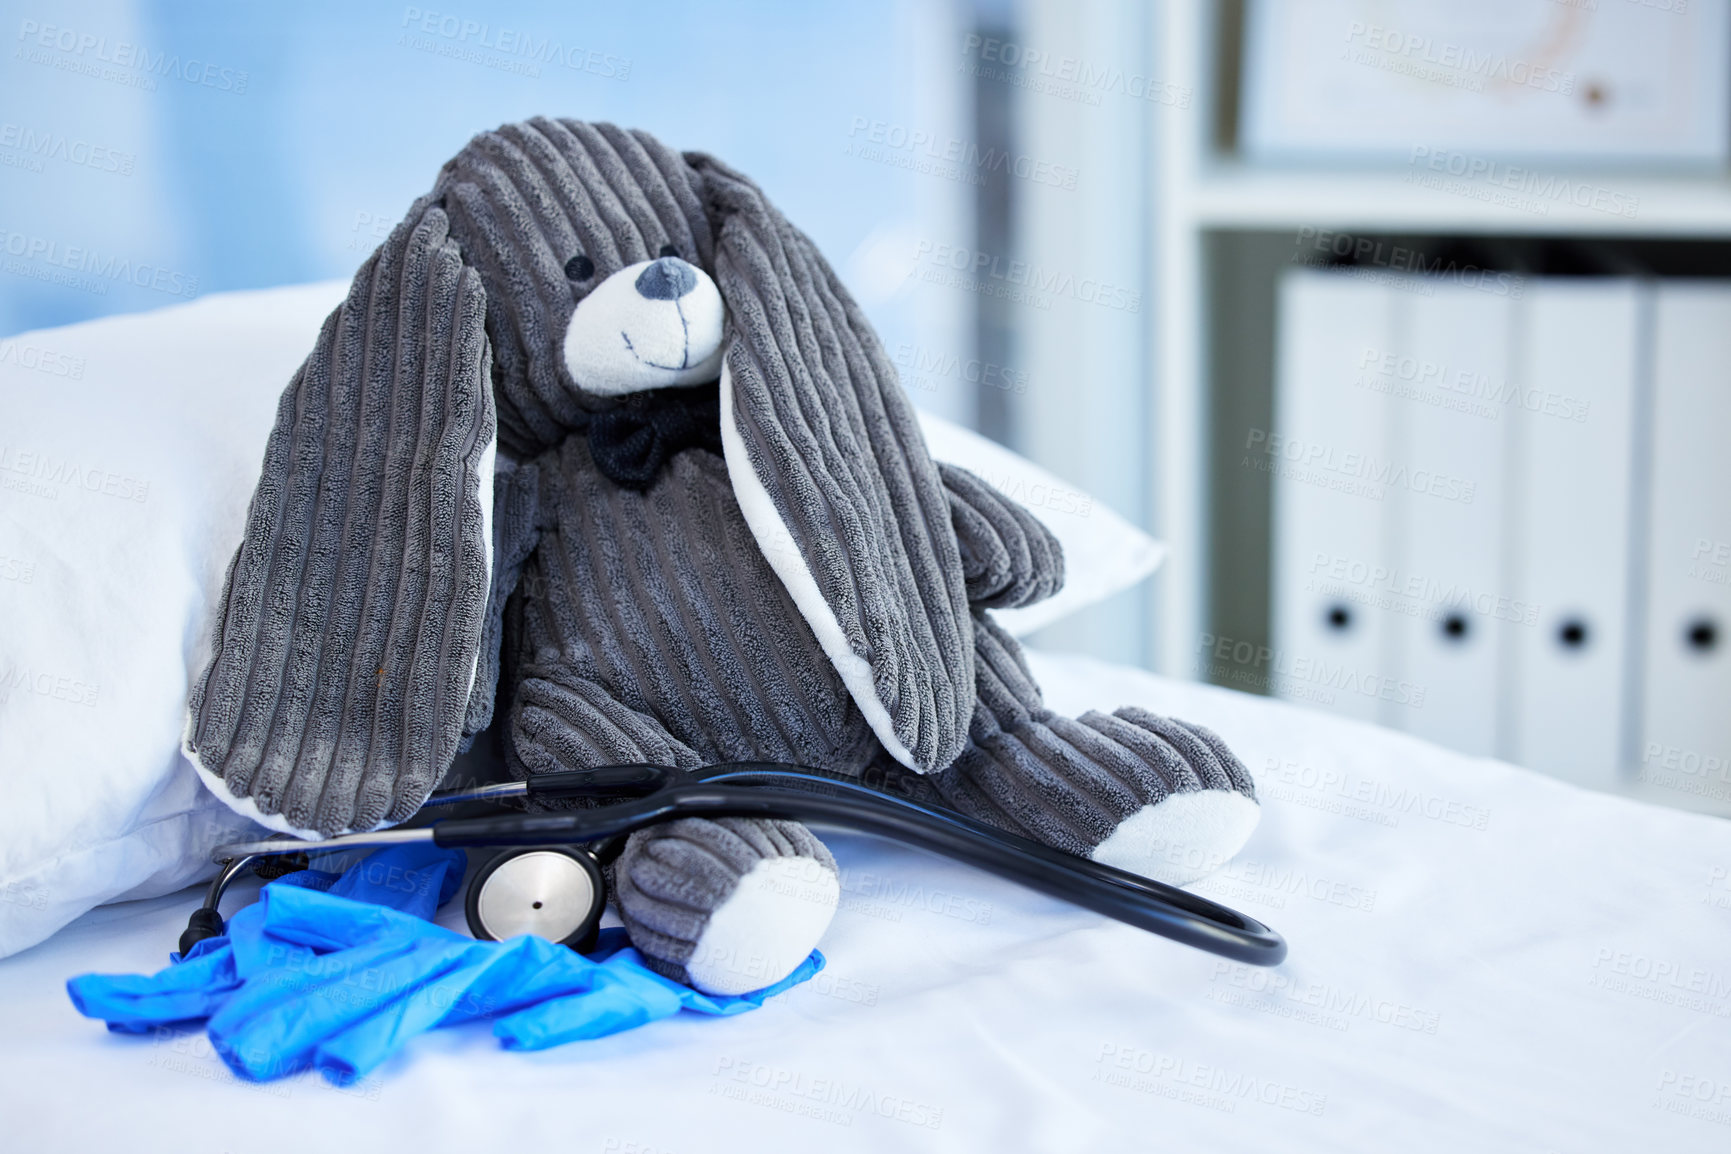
{"x": 1481, "y": 958}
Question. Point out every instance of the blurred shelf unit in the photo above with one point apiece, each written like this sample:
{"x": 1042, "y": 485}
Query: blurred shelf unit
{"x": 1502, "y": 518}
{"x": 1226, "y": 195}
{"x": 1229, "y": 230}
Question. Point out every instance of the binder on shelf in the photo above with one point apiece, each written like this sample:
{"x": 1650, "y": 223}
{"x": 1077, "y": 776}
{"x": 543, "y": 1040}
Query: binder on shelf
{"x": 1570, "y": 530}
{"x": 1329, "y": 439}
{"x": 1684, "y": 747}
{"x": 1448, "y": 374}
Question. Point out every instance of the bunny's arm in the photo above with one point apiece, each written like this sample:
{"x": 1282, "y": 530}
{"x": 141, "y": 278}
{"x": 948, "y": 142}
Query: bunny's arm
{"x": 1009, "y": 559}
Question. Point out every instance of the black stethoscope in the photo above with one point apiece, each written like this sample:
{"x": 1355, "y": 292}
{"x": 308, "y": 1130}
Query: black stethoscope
{"x": 552, "y": 885}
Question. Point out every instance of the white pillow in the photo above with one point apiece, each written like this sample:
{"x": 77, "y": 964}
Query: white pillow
{"x": 129, "y": 449}
{"x": 1103, "y": 553}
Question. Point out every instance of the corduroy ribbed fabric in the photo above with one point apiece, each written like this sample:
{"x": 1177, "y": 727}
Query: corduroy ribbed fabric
{"x": 833, "y": 441}
{"x": 672, "y": 877}
{"x": 827, "y": 429}
{"x": 1067, "y": 782}
{"x": 639, "y": 597}
{"x": 525, "y": 200}
{"x": 350, "y": 622}
{"x": 1009, "y": 559}
{"x": 659, "y": 603}
{"x": 516, "y": 501}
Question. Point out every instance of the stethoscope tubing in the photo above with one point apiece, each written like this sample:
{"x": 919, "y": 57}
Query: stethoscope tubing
{"x": 721, "y": 792}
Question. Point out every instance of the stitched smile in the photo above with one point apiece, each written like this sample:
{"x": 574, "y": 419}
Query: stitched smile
{"x": 630, "y": 348}
{"x": 685, "y": 351}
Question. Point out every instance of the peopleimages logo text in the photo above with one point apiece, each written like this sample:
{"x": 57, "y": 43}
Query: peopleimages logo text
{"x": 87, "y": 46}
{"x": 108, "y": 266}
{"x": 1070, "y": 73}
{"x": 1360, "y": 466}
{"x": 991, "y": 267}
{"x": 462, "y": 32}
{"x": 1370, "y": 251}
{"x": 70, "y": 149}
{"x": 1541, "y": 187}
{"x": 1480, "y": 66}
{"x": 899, "y": 138}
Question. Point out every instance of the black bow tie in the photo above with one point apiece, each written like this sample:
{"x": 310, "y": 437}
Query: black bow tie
{"x": 630, "y": 443}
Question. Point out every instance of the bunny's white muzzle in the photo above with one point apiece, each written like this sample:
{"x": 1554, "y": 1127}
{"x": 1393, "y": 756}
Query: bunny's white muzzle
{"x": 650, "y": 325}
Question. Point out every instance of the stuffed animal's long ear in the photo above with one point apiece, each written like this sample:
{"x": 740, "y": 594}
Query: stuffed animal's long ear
{"x": 347, "y": 641}
{"x": 832, "y": 474}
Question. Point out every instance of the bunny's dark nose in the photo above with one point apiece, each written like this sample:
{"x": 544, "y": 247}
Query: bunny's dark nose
{"x": 666, "y": 279}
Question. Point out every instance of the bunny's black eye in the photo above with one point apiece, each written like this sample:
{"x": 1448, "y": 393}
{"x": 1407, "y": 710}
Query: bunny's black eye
{"x": 667, "y": 250}
{"x": 579, "y": 267}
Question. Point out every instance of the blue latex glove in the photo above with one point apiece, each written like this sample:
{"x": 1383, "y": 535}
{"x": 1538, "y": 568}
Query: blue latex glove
{"x": 338, "y": 972}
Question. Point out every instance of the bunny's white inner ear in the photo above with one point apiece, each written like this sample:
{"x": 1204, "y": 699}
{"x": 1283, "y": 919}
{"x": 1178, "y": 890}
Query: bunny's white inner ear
{"x": 651, "y": 325}
{"x": 486, "y": 470}
{"x": 778, "y": 548}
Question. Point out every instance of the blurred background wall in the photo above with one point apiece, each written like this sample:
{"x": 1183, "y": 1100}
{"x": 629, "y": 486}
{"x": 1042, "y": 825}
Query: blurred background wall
{"x": 211, "y": 145}
{"x": 1230, "y": 229}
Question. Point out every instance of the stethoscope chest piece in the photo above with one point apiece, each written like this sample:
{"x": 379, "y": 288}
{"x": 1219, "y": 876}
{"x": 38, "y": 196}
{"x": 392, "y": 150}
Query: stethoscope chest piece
{"x": 553, "y": 893}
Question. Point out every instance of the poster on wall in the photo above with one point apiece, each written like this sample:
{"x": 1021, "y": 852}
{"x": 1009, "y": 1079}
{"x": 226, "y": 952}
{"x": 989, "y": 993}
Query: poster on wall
{"x": 1619, "y": 83}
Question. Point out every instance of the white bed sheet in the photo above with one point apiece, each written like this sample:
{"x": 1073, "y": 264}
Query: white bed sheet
{"x": 1481, "y": 959}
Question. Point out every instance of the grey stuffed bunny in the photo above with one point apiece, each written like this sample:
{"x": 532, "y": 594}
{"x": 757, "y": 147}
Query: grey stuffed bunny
{"x": 598, "y": 430}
